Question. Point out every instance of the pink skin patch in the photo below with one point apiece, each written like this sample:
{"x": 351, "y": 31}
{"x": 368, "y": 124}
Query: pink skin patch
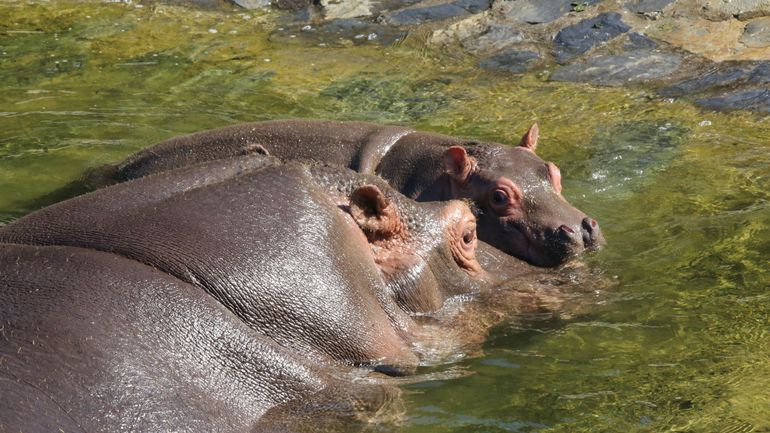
{"x": 506, "y": 199}
{"x": 555, "y": 174}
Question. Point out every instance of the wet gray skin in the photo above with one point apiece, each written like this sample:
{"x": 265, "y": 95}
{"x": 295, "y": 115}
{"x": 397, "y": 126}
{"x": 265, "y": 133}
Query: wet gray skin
{"x": 95, "y": 342}
{"x": 517, "y": 195}
{"x": 317, "y": 258}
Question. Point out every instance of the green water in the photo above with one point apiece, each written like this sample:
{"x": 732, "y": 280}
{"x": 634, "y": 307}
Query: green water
{"x": 682, "y": 343}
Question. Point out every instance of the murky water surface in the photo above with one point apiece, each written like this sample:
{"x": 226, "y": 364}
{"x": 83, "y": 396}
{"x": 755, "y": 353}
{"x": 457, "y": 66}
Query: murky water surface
{"x": 681, "y": 344}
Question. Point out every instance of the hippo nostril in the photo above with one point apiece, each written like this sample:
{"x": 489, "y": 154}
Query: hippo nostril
{"x": 566, "y": 229}
{"x": 590, "y": 229}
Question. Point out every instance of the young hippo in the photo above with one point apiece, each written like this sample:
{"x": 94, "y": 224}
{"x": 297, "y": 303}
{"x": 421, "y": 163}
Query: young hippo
{"x": 517, "y": 195}
{"x": 320, "y": 259}
{"x": 95, "y": 342}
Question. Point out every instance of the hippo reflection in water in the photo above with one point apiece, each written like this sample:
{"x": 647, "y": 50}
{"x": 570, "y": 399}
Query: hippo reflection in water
{"x": 516, "y": 194}
{"x": 235, "y": 295}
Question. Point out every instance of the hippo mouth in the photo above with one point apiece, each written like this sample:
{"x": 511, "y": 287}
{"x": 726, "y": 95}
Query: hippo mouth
{"x": 545, "y": 249}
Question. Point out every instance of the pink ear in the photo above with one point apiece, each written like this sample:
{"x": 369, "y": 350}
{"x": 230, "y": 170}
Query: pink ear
{"x": 458, "y": 164}
{"x": 529, "y": 140}
{"x": 373, "y": 212}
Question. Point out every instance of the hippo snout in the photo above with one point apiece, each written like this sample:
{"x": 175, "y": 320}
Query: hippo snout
{"x": 592, "y": 235}
{"x": 585, "y": 236}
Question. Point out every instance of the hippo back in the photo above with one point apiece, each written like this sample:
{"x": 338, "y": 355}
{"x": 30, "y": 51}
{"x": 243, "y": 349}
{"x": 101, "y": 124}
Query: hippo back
{"x": 357, "y": 145}
{"x": 267, "y": 244}
{"x": 96, "y": 342}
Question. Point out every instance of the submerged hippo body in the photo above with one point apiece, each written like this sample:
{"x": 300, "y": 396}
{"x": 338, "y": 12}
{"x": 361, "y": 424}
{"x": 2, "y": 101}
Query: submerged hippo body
{"x": 517, "y": 194}
{"x": 95, "y": 342}
{"x": 317, "y": 258}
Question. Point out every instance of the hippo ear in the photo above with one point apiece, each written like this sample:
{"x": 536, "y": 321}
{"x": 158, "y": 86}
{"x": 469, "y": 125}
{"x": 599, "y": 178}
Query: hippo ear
{"x": 373, "y": 212}
{"x": 529, "y": 140}
{"x": 458, "y": 164}
{"x": 254, "y": 149}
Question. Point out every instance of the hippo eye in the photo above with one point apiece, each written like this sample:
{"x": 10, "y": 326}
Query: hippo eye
{"x": 505, "y": 197}
{"x": 499, "y": 197}
{"x": 469, "y": 236}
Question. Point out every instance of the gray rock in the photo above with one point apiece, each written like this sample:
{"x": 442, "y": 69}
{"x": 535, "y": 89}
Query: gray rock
{"x": 511, "y": 60}
{"x": 292, "y": 5}
{"x": 647, "y": 6}
{"x": 618, "y": 70}
{"x": 754, "y": 100}
{"x": 638, "y": 41}
{"x": 343, "y": 9}
{"x": 757, "y": 33}
{"x": 252, "y": 4}
{"x": 391, "y": 5}
{"x": 576, "y": 39}
{"x": 473, "y": 6}
{"x": 419, "y": 15}
{"x": 725, "y": 77}
{"x": 742, "y": 9}
{"x": 708, "y": 81}
{"x": 495, "y": 37}
{"x": 539, "y": 11}
{"x": 760, "y": 75}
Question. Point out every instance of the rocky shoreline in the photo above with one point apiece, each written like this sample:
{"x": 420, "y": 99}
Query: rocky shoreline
{"x": 714, "y": 53}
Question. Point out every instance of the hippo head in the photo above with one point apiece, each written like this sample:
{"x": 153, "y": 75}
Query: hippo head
{"x": 520, "y": 208}
{"x": 426, "y": 251}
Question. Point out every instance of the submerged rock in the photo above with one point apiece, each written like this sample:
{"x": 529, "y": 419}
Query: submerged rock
{"x": 340, "y": 32}
{"x": 617, "y": 70}
{"x": 381, "y": 97}
{"x": 754, "y": 100}
{"x": 493, "y": 37}
{"x": 576, "y": 39}
{"x": 729, "y": 76}
{"x": 712, "y": 79}
{"x": 511, "y": 60}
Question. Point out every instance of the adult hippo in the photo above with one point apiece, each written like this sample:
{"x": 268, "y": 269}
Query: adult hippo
{"x": 321, "y": 259}
{"x": 94, "y": 342}
{"x": 517, "y": 195}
